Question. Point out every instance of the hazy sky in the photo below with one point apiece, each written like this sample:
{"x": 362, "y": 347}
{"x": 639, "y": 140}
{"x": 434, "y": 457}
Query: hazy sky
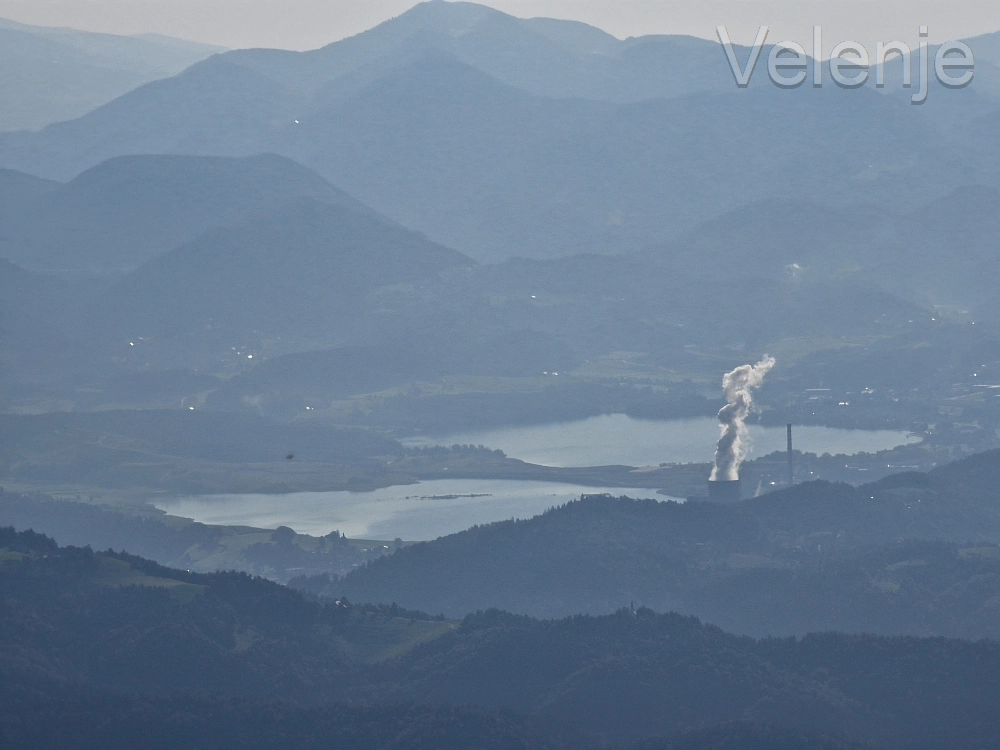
{"x": 304, "y": 24}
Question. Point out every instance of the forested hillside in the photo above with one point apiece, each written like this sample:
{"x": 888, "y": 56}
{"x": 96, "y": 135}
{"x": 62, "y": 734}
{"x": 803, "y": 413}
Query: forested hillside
{"x": 80, "y": 627}
{"x": 913, "y": 553}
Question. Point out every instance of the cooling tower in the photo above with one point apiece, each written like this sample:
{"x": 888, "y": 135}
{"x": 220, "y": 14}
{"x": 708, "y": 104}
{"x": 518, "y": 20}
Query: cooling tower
{"x": 725, "y": 491}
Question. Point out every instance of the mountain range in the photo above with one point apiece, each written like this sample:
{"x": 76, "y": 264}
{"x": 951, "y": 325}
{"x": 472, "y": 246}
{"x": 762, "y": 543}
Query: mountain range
{"x": 426, "y": 122}
{"x": 54, "y": 74}
{"x": 270, "y": 231}
{"x": 131, "y": 209}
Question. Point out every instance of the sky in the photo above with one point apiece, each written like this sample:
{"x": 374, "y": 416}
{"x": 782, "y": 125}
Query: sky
{"x": 307, "y": 24}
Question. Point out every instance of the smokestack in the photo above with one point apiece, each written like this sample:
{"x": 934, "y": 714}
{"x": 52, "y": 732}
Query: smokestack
{"x": 737, "y": 386}
{"x": 791, "y": 463}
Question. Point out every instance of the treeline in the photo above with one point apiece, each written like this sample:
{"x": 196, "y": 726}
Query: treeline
{"x": 83, "y": 635}
{"x": 109, "y": 721}
{"x": 911, "y": 554}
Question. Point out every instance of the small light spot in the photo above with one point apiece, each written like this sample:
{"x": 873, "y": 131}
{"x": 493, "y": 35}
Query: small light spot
{"x": 249, "y": 356}
{"x": 190, "y": 408}
{"x": 131, "y": 343}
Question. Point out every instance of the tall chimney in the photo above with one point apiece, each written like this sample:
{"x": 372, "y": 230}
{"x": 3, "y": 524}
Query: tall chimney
{"x": 791, "y": 463}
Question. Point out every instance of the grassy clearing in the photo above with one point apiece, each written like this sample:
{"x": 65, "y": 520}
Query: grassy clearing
{"x": 10, "y": 556}
{"x": 118, "y": 573}
{"x": 375, "y": 639}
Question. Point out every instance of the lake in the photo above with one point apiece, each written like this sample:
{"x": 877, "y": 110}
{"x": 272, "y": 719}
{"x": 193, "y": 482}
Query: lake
{"x": 444, "y": 506}
{"x": 619, "y": 439}
{"x": 411, "y": 512}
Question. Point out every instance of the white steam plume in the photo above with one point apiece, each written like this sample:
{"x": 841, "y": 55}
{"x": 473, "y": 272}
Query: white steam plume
{"x": 736, "y": 385}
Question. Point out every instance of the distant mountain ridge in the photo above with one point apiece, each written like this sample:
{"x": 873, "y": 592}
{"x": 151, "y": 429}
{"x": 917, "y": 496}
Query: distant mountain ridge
{"x": 129, "y": 209}
{"x": 301, "y": 268}
{"x": 502, "y": 137}
{"x": 544, "y": 56}
{"x": 51, "y": 74}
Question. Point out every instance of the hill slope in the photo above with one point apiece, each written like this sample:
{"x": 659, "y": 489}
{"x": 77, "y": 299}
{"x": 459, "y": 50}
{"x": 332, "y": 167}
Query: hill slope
{"x": 300, "y": 272}
{"x": 545, "y": 56}
{"x": 819, "y": 556}
{"x": 129, "y": 209}
{"x": 79, "y": 627}
{"x": 54, "y": 74}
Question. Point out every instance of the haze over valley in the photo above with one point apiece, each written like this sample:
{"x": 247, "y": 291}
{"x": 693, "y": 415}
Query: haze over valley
{"x": 358, "y": 359}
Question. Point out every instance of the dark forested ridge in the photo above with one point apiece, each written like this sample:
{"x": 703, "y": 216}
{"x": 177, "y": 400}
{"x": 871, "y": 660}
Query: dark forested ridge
{"x": 108, "y": 720}
{"x": 913, "y": 553}
{"x": 85, "y": 634}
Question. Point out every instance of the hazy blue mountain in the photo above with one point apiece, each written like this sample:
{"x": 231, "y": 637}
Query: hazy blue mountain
{"x": 986, "y": 47}
{"x": 210, "y": 109}
{"x": 17, "y": 191}
{"x": 125, "y": 211}
{"x": 465, "y": 155}
{"x": 276, "y": 286}
{"x": 301, "y": 270}
{"x": 599, "y": 304}
{"x": 53, "y": 74}
{"x": 952, "y": 110}
{"x": 293, "y": 380}
{"x": 547, "y": 57}
{"x": 949, "y": 249}
{"x": 502, "y": 173}
{"x": 18, "y": 185}
{"x": 937, "y": 254}
{"x": 36, "y": 344}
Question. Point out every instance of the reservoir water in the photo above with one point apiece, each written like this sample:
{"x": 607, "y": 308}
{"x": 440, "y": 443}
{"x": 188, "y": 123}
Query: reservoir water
{"x": 619, "y": 439}
{"x": 435, "y": 508}
{"x": 411, "y": 512}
